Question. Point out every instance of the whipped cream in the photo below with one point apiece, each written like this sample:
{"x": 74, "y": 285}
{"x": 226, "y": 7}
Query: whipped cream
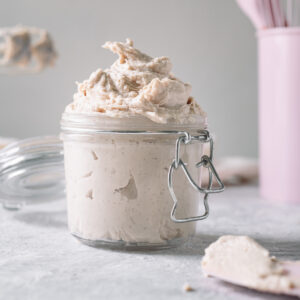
{"x": 241, "y": 260}
{"x": 117, "y": 188}
{"x": 27, "y": 48}
{"x": 136, "y": 84}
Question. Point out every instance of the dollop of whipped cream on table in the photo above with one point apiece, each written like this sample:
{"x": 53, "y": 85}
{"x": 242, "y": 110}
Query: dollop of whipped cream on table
{"x": 242, "y": 261}
{"x": 136, "y": 84}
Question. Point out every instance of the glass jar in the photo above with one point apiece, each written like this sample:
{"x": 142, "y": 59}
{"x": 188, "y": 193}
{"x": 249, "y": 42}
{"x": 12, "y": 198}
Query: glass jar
{"x": 124, "y": 176}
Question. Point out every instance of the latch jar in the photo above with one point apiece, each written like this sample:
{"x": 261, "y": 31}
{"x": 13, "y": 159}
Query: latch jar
{"x": 133, "y": 183}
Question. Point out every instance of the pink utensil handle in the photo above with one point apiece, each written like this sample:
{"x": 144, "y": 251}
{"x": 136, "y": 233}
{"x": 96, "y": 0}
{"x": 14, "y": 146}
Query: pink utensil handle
{"x": 278, "y": 15}
{"x": 279, "y": 114}
{"x": 255, "y": 11}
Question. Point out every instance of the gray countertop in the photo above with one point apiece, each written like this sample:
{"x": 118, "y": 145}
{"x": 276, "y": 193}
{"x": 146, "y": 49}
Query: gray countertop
{"x": 40, "y": 260}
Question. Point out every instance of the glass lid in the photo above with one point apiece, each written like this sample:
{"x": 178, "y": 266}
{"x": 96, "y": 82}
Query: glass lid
{"x": 31, "y": 170}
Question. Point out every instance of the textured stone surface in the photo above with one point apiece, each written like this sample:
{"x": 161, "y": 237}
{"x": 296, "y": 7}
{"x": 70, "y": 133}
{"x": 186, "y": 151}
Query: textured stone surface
{"x": 40, "y": 260}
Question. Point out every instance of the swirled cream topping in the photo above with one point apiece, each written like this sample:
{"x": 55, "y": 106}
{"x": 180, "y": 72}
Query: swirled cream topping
{"x": 136, "y": 84}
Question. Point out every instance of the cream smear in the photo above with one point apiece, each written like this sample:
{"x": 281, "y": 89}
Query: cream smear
{"x": 241, "y": 260}
{"x": 136, "y": 84}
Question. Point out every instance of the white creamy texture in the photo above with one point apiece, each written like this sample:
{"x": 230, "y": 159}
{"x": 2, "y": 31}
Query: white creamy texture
{"x": 240, "y": 260}
{"x": 136, "y": 84}
{"x": 26, "y": 47}
{"x": 117, "y": 188}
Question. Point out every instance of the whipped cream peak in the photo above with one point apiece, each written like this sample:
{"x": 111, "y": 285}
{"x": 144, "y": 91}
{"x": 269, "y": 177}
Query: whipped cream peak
{"x": 136, "y": 84}
{"x": 134, "y": 60}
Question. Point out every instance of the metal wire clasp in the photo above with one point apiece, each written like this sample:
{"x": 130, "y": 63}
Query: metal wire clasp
{"x": 206, "y": 161}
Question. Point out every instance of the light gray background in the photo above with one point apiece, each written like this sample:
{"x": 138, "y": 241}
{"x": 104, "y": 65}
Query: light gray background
{"x": 211, "y": 43}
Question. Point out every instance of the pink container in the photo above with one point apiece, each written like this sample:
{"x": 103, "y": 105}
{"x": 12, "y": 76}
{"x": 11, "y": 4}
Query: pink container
{"x": 279, "y": 113}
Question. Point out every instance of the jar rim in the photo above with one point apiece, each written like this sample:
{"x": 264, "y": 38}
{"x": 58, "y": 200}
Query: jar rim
{"x": 96, "y": 122}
